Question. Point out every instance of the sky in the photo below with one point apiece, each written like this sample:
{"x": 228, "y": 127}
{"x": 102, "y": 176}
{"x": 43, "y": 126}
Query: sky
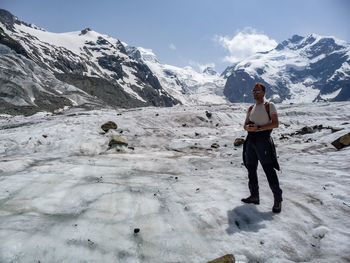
{"x": 195, "y": 33}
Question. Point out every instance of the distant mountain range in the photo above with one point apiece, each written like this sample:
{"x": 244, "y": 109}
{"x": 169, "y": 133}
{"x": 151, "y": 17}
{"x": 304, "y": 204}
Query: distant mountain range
{"x": 42, "y": 70}
{"x": 300, "y": 69}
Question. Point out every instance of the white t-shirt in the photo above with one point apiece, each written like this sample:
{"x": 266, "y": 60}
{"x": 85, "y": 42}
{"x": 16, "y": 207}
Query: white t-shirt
{"x": 258, "y": 114}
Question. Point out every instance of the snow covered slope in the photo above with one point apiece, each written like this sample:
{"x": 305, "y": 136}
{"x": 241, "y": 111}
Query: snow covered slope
{"x": 301, "y": 69}
{"x": 64, "y": 197}
{"x": 26, "y": 88}
{"x": 186, "y": 84}
{"x": 87, "y": 53}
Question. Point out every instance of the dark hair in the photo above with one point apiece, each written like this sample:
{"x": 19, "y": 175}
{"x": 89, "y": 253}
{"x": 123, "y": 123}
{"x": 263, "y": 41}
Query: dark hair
{"x": 260, "y": 85}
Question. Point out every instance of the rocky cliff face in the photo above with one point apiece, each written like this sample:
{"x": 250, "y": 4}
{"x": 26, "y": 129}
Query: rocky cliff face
{"x": 26, "y": 88}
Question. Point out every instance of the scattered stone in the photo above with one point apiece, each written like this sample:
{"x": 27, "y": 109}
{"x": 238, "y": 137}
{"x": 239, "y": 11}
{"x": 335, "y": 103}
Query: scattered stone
{"x": 201, "y": 118}
{"x": 184, "y": 125}
{"x": 91, "y": 243}
{"x": 109, "y": 125}
{"x": 215, "y": 145}
{"x": 305, "y": 130}
{"x": 238, "y": 141}
{"x": 344, "y": 123}
{"x": 308, "y": 129}
{"x": 176, "y": 177}
{"x": 119, "y": 114}
{"x": 283, "y": 137}
{"x": 216, "y": 125}
{"x": 121, "y": 131}
{"x": 196, "y": 134}
{"x": 229, "y": 258}
{"x": 341, "y": 142}
{"x": 317, "y": 127}
{"x": 335, "y": 129}
{"x": 117, "y": 141}
{"x": 197, "y": 189}
{"x": 136, "y": 230}
{"x": 157, "y": 114}
{"x": 231, "y": 162}
{"x": 208, "y": 114}
{"x": 44, "y": 135}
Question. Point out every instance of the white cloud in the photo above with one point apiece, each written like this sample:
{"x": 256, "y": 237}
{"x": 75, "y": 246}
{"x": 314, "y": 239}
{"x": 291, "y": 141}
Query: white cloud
{"x": 172, "y": 46}
{"x": 245, "y": 43}
{"x": 200, "y": 67}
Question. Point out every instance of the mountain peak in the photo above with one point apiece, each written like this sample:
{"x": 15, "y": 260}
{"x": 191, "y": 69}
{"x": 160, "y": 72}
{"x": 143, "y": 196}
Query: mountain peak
{"x": 7, "y": 18}
{"x": 210, "y": 71}
{"x": 296, "y": 39}
{"x": 85, "y": 30}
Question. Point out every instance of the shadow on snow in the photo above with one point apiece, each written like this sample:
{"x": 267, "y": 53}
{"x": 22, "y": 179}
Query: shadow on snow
{"x": 246, "y": 218}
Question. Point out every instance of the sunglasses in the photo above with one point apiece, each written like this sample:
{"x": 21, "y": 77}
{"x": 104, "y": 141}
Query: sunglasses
{"x": 257, "y": 91}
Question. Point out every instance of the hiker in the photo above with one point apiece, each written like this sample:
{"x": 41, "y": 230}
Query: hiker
{"x": 260, "y": 120}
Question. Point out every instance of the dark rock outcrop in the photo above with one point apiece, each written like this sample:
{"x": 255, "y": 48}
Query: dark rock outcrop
{"x": 108, "y": 126}
{"x": 341, "y": 142}
{"x": 111, "y": 94}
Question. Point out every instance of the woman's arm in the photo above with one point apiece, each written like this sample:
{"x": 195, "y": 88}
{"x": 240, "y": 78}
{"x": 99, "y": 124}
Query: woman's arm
{"x": 273, "y": 124}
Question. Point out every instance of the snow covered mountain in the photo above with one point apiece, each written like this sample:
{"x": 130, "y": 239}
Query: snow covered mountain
{"x": 102, "y": 70}
{"x": 186, "y": 84}
{"x": 300, "y": 69}
{"x": 87, "y": 60}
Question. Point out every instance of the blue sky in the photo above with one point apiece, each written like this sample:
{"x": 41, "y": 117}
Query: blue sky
{"x": 192, "y": 32}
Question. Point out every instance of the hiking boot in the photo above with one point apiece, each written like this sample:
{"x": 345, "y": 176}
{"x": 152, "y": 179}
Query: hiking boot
{"x": 277, "y": 207}
{"x": 251, "y": 200}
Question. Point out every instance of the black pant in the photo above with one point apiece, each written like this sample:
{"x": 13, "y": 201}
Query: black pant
{"x": 260, "y": 148}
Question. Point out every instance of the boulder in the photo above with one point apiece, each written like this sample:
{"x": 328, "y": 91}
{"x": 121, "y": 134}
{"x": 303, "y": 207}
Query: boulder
{"x": 305, "y": 130}
{"x": 117, "y": 141}
{"x": 238, "y": 141}
{"x": 229, "y": 258}
{"x": 342, "y": 141}
{"x": 109, "y": 125}
{"x": 208, "y": 114}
